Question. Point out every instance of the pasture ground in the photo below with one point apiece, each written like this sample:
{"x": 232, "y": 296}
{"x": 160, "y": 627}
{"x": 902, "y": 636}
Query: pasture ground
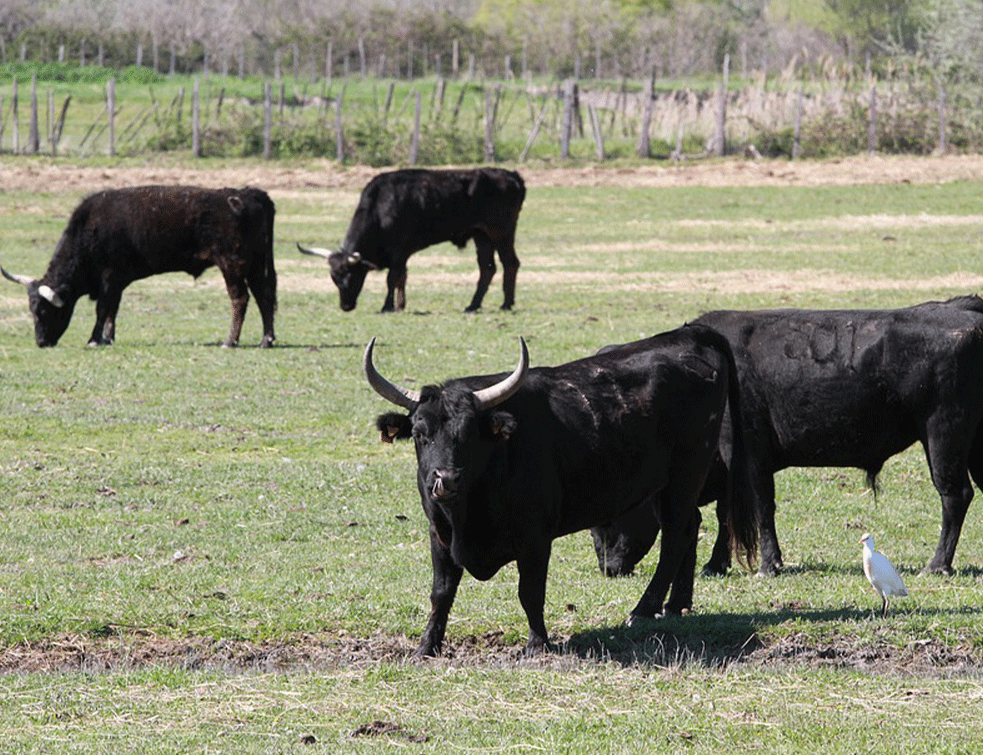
{"x": 207, "y": 550}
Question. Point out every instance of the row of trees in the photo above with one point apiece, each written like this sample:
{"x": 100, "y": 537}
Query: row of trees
{"x": 557, "y": 38}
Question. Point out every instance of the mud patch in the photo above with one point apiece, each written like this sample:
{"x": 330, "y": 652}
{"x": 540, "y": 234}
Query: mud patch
{"x": 114, "y": 652}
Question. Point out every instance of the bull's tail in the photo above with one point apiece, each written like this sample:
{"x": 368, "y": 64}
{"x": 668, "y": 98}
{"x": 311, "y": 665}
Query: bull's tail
{"x": 744, "y": 510}
{"x": 269, "y": 213}
{"x": 262, "y": 221}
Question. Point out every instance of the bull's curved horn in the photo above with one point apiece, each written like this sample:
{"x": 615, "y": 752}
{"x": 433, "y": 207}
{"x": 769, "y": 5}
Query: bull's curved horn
{"x": 314, "y": 251}
{"x": 404, "y": 397}
{"x": 494, "y": 395}
{"x": 22, "y": 279}
{"x": 49, "y": 294}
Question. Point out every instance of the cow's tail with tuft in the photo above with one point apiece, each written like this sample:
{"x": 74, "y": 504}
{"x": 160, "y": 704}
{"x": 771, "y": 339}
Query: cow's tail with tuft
{"x": 743, "y": 509}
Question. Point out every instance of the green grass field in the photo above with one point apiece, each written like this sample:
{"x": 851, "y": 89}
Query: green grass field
{"x": 207, "y": 550}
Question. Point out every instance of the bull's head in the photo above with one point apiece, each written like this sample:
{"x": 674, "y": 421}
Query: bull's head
{"x": 52, "y": 311}
{"x": 348, "y": 271}
{"x": 452, "y": 427}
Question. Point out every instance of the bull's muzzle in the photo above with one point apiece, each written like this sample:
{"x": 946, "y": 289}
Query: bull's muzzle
{"x": 444, "y": 484}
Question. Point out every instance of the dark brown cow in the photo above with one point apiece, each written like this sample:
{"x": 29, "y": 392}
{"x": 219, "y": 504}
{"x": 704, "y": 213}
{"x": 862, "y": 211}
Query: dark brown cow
{"x": 118, "y": 236}
{"x": 404, "y": 211}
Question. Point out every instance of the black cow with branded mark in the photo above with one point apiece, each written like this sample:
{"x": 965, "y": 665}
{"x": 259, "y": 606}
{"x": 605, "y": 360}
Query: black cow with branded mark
{"x": 404, "y": 211}
{"x": 508, "y": 463}
{"x": 117, "y": 236}
{"x": 846, "y": 388}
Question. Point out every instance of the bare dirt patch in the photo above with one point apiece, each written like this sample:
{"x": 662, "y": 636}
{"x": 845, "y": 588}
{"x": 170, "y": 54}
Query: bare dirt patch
{"x": 25, "y": 174}
{"x": 323, "y": 653}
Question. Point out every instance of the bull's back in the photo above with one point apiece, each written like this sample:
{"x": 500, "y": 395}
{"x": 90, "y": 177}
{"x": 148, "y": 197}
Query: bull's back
{"x": 845, "y": 387}
{"x": 149, "y": 230}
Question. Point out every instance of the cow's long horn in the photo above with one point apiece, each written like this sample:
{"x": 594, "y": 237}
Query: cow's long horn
{"x": 314, "y": 251}
{"x": 494, "y": 395}
{"x": 22, "y": 279}
{"x": 398, "y": 395}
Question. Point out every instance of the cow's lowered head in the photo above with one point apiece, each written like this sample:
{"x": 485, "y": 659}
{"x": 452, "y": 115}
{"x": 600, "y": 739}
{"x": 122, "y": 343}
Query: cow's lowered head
{"x": 450, "y": 425}
{"x": 348, "y": 271}
{"x": 52, "y": 309}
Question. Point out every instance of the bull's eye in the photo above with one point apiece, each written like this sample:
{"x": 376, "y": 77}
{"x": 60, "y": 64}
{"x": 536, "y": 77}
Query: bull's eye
{"x": 420, "y": 438}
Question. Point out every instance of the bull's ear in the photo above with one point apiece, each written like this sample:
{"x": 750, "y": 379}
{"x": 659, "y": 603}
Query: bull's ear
{"x": 500, "y": 426}
{"x": 393, "y": 426}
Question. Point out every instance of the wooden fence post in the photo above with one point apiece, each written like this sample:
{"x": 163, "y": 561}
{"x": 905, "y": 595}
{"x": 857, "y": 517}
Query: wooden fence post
{"x": 595, "y": 124}
{"x": 567, "y": 127}
{"x": 489, "y": 127}
{"x": 797, "y": 138}
{"x": 943, "y": 145}
{"x": 15, "y": 121}
{"x": 196, "y": 119}
{"x": 339, "y": 133}
{"x": 35, "y": 135}
{"x": 643, "y": 149}
{"x": 268, "y": 121}
{"x": 720, "y": 137}
{"x": 111, "y": 114}
{"x": 415, "y": 140}
{"x": 535, "y": 131}
{"x": 872, "y": 121}
{"x": 57, "y": 130}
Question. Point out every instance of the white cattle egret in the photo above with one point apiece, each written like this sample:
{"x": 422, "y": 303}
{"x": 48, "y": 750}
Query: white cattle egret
{"x": 881, "y": 573}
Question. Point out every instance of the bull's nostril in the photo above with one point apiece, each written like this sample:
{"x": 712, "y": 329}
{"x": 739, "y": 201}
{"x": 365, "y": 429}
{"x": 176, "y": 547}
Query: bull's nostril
{"x": 444, "y": 484}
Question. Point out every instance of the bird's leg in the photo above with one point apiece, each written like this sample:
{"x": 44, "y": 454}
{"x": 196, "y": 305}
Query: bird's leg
{"x": 884, "y": 607}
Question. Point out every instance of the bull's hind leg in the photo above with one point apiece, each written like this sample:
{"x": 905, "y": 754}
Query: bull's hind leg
{"x": 510, "y": 270}
{"x": 946, "y": 453}
{"x": 681, "y": 597}
{"x": 678, "y": 514}
{"x": 263, "y": 287}
{"x": 486, "y": 269}
{"x": 239, "y": 297}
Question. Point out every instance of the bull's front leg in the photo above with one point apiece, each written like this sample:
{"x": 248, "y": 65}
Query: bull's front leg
{"x": 396, "y": 295}
{"x": 532, "y": 595}
{"x": 107, "y": 306}
{"x": 446, "y": 579}
{"x": 720, "y": 557}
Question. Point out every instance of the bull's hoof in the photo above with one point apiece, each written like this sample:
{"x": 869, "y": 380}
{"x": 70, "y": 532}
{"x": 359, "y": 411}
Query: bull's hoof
{"x": 266, "y": 343}
{"x": 769, "y": 570}
{"x": 535, "y": 648}
{"x": 100, "y": 342}
{"x": 637, "y": 620}
{"x": 471, "y": 310}
{"x": 230, "y": 344}
{"x": 944, "y": 570}
{"x": 712, "y": 570}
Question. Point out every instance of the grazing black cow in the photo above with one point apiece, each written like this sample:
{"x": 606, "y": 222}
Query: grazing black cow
{"x": 404, "y": 211}
{"x": 507, "y": 464}
{"x": 848, "y": 388}
{"x": 117, "y": 236}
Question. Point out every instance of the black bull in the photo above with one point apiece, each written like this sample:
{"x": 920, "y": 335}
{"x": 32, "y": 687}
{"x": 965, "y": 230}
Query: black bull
{"x": 844, "y": 389}
{"x": 505, "y": 465}
{"x": 118, "y": 236}
{"x": 403, "y": 211}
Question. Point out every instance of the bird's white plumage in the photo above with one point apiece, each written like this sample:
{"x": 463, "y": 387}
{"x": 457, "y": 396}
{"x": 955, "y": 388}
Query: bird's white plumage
{"x": 881, "y": 573}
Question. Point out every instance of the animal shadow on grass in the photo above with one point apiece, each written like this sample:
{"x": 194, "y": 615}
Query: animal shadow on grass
{"x": 717, "y": 640}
